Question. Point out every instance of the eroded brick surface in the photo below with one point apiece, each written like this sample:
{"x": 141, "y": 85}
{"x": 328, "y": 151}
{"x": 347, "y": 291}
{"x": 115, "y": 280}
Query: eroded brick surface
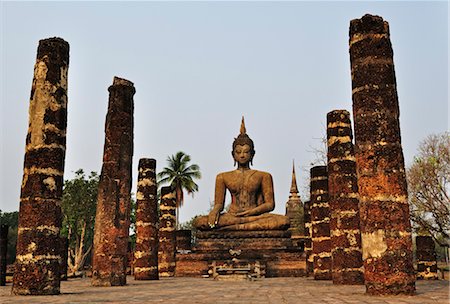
{"x": 426, "y": 258}
{"x": 112, "y": 221}
{"x": 344, "y": 201}
{"x": 308, "y": 242}
{"x": 320, "y": 223}
{"x": 146, "y": 251}
{"x": 384, "y": 210}
{"x": 167, "y": 237}
{"x": 37, "y": 261}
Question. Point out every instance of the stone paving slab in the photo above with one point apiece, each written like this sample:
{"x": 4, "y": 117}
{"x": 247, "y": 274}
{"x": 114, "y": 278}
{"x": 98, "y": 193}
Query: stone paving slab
{"x": 197, "y": 290}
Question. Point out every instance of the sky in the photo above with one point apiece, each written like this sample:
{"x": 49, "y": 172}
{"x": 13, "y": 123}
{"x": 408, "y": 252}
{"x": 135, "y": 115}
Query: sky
{"x": 198, "y": 67}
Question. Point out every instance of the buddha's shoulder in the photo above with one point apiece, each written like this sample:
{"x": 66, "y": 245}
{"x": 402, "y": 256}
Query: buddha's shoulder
{"x": 262, "y": 173}
{"x": 225, "y": 174}
{"x": 236, "y": 172}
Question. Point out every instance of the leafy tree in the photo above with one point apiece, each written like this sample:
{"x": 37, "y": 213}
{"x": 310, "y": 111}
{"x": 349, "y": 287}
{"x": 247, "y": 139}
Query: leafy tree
{"x": 79, "y": 204}
{"x": 429, "y": 188}
{"x": 12, "y": 220}
{"x": 180, "y": 175}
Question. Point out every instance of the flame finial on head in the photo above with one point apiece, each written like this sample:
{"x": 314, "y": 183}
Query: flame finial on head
{"x": 244, "y": 139}
{"x": 243, "y": 130}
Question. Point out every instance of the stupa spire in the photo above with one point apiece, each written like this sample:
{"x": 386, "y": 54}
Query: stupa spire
{"x": 294, "y": 189}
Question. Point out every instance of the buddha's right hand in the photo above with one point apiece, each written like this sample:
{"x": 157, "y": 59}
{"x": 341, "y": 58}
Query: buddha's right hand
{"x": 213, "y": 218}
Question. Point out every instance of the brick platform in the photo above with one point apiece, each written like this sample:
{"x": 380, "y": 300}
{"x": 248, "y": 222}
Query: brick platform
{"x": 274, "y": 249}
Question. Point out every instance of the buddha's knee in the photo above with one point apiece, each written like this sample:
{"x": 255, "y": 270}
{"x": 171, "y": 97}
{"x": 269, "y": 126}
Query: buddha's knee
{"x": 200, "y": 222}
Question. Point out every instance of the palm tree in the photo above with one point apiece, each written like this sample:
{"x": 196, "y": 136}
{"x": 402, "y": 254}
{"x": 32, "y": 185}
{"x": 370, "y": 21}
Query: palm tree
{"x": 180, "y": 176}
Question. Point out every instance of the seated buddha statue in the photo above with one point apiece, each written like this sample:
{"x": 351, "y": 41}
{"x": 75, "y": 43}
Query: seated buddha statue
{"x": 252, "y": 196}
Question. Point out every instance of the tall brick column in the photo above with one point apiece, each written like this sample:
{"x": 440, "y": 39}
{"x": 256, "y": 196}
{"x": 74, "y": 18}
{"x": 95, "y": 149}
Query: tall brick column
{"x": 167, "y": 237}
{"x": 112, "y": 220}
{"x": 344, "y": 201}
{"x": 384, "y": 210}
{"x": 146, "y": 251}
{"x": 3, "y": 251}
{"x": 37, "y": 260}
{"x": 308, "y": 241}
{"x": 426, "y": 258}
{"x": 320, "y": 223}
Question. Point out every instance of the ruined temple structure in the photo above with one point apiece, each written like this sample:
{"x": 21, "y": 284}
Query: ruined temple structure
{"x": 37, "y": 260}
{"x": 184, "y": 240}
{"x": 146, "y": 251}
{"x": 247, "y": 232}
{"x": 112, "y": 221}
{"x": 320, "y": 223}
{"x": 167, "y": 236}
{"x": 426, "y": 258}
{"x": 384, "y": 209}
{"x": 308, "y": 242}
{"x": 343, "y": 200}
{"x": 294, "y": 210}
{"x": 3, "y": 250}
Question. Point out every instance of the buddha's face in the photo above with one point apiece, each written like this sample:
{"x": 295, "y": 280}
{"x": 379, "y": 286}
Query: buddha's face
{"x": 242, "y": 154}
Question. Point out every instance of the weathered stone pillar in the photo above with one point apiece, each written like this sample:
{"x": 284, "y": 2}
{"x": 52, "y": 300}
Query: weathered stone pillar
{"x": 308, "y": 243}
{"x": 112, "y": 221}
{"x": 37, "y": 260}
{"x": 3, "y": 251}
{"x": 320, "y": 223}
{"x": 146, "y": 250}
{"x": 384, "y": 210}
{"x": 344, "y": 202}
{"x": 64, "y": 251}
{"x": 167, "y": 238}
{"x": 426, "y": 258}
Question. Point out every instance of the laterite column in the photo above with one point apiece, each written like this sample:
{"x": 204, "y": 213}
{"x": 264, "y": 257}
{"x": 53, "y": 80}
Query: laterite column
{"x": 426, "y": 258}
{"x": 344, "y": 202}
{"x": 112, "y": 220}
{"x": 167, "y": 237}
{"x": 146, "y": 250}
{"x": 3, "y": 252}
{"x": 384, "y": 209}
{"x": 37, "y": 260}
{"x": 308, "y": 241}
{"x": 320, "y": 223}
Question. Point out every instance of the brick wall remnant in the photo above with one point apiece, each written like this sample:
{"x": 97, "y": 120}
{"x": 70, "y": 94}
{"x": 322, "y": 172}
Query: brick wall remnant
{"x": 146, "y": 250}
{"x": 37, "y": 260}
{"x": 426, "y": 258}
{"x": 346, "y": 253}
{"x": 112, "y": 220}
{"x": 384, "y": 209}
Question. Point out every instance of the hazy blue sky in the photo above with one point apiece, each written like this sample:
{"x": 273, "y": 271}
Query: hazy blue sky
{"x": 199, "y": 66}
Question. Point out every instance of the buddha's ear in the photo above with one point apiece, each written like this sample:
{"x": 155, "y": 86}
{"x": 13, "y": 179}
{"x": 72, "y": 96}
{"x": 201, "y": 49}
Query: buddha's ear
{"x": 232, "y": 154}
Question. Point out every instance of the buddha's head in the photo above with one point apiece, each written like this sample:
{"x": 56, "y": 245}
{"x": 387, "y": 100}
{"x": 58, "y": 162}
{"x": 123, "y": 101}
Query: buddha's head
{"x": 243, "y": 148}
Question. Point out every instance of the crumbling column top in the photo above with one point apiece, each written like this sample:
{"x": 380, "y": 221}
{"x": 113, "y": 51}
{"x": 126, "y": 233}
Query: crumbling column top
{"x": 122, "y": 81}
{"x": 369, "y": 24}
